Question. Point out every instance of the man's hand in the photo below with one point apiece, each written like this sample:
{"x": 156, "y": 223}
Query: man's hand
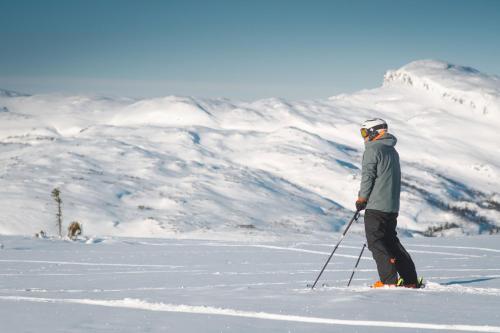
{"x": 361, "y": 204}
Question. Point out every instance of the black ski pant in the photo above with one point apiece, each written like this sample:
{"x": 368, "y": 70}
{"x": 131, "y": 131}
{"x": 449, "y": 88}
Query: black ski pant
{"x": 390, "y": 256}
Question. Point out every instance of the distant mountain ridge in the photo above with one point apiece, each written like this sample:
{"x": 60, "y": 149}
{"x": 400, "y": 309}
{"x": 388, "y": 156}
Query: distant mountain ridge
{"x": 459, "y": 84}
{"x": 10, "y": 93}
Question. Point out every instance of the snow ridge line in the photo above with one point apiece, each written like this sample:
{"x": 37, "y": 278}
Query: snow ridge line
{"x": 131, "y": 303}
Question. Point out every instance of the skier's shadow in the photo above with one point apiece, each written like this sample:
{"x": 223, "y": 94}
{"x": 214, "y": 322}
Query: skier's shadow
{"x": 468, "y": 281}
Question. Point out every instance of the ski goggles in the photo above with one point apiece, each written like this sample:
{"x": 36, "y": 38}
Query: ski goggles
{"x": 364, "y": 133}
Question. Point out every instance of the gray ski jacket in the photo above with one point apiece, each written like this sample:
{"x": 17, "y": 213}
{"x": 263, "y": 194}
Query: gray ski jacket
{"x": 381, "y": 175}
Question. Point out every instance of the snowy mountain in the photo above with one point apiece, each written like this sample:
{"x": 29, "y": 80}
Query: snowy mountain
{"x": 10, "y": 93}
{"x": 216, "y": 168}
{"x": 463, "y": 85}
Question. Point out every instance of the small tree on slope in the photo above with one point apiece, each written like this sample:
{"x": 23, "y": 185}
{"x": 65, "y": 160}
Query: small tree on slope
{"x": 56, "y": 194}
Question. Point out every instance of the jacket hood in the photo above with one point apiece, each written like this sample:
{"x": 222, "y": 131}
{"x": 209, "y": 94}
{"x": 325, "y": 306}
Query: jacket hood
{"x": 387, "y": 139}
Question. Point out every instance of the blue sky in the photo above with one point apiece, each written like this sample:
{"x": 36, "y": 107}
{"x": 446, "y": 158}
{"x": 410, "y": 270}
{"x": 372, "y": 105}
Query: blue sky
{"x": 237, "y": 49}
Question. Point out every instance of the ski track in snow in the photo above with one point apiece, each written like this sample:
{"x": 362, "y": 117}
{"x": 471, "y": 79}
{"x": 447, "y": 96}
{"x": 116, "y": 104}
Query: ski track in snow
{"x": 139, "y": 304}
{"x": 85, "y": 263}
{"x": 460, "y": 247}
{"x": 414, "y": 245}
{"x": 69, "y": 291}
{"x": 296, "y": 249}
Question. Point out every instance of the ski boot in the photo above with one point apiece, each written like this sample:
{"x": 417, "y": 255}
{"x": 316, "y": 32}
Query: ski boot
{"x": 419, "y": 284}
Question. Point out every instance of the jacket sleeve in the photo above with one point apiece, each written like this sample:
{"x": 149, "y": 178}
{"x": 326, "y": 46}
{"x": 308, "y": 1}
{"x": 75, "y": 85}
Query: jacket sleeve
{"x": 368, "y": 173}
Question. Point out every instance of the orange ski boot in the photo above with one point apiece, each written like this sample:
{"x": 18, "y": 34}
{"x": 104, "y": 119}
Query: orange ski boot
{"x": 380, "y": 284}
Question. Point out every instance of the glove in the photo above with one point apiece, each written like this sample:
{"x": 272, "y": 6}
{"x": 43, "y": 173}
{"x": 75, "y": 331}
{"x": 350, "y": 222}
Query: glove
{"x": 361, "y": 204}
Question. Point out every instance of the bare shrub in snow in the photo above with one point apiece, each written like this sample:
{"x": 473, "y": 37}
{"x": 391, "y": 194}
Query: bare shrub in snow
{"x": 74, "y": 230}
{"x": 41, "y": 234}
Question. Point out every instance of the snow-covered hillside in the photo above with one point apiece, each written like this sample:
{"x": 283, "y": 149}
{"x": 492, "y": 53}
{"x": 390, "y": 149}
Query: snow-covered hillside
{"x": 217, "y": 168}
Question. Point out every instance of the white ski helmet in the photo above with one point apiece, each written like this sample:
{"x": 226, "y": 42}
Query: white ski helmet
{"x": 372, "y": 127}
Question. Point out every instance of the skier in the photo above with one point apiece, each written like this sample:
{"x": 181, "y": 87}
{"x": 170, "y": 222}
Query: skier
{"x": 379, "y": 194}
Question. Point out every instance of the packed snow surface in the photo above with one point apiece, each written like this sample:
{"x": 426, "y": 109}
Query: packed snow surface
{"x": 185, "y": 167}
{"x": 161, "y": 285}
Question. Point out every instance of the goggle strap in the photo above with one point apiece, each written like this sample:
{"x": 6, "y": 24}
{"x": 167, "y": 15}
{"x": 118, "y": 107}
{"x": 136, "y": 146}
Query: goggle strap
{"x": 381, "y": 126}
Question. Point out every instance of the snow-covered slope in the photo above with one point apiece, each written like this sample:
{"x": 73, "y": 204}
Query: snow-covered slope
{"x": 164, "y": 285}
{"x": 193, "y": 167}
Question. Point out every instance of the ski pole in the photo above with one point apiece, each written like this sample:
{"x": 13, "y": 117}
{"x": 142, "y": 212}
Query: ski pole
{"x": 356, "y": 266}
{"x": 355, "y": 217}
